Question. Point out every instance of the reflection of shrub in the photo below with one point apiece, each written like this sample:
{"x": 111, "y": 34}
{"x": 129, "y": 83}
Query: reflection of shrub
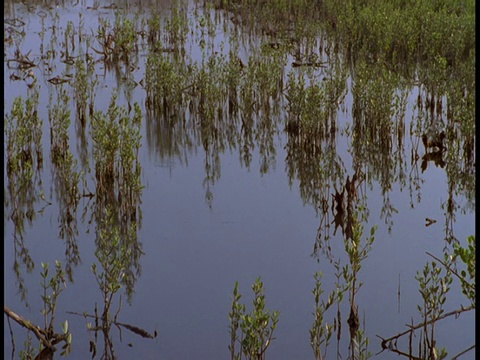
{"x": 256, "y": 328}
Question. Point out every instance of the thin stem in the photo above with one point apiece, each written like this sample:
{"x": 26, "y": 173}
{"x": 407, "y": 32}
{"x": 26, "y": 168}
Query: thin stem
{"x": 452, "y": 271}
{"x": 418, "y": 326}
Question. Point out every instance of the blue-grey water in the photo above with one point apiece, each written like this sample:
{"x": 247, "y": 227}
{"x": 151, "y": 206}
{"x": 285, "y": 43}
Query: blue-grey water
{"x": 255, "y": 224}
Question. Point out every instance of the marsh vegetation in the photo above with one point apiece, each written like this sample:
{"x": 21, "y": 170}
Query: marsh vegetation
{"x": 332, "y": 149}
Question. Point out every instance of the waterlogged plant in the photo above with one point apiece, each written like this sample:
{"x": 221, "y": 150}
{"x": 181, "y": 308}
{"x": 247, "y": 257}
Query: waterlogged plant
{"x": 65, "y": 176}
{"x": 52, "y": 288}
{"x": 81, "y": 91}
{"x": 434, "y": 285}
{"x": 24, "y": 154}
{"x": 115, "y": 253}
{"x": 176, "y": 27}
{"x": 117, "y": 42}
{"x": 321, "y": 331}
{"x": 357, "y": 252}
{"x": 434, "y": 289}
{"x": 113, "y": 259}
{"x": 125, "y": 36}
{"x": 117, "y": 140}
{"x": 23, "y": 129}
{"x": 256, "y": 328}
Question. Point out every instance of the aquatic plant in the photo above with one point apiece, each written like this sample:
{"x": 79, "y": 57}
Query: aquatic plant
{"x": 176, "y": 27}
{"x": 225, "y": 102}
{"x": 357, "y": 253}
{"x": 81, "y": 91}
{"x": 397, "y": 31}
{"x": 24, "y": 155}
{"x": 434, "y": 288}
{"x": 321, "y": 331}
{"x": 65, "y": 176}
{"x": 116, "y": 254}
{"x": 256, "y": 328}
{"x": 118, "y": 188}
{"x": 48, "y": 338}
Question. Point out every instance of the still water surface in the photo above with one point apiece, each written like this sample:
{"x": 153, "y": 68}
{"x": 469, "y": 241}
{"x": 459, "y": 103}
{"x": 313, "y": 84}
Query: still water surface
{"x": 199, "y": 237}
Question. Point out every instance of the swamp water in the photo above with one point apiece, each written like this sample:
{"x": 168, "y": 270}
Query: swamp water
{"x": 161, "y": 152}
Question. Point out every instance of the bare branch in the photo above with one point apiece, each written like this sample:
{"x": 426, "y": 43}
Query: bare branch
{"x": 39, "y": 332}
{"x": 422, "y": 324}
{"x": 452, "y": 271}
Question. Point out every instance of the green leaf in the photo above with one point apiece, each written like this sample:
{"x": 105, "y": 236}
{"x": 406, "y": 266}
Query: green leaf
{"x": 65, "y": 326}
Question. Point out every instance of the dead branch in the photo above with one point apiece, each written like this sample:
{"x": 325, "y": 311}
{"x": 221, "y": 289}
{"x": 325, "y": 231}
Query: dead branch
{"x": 463, "y": 352}
{"x": 39, "y": 332}
{"x": 48, "y": 339}
{"x": 132, "y": 328}
{"x": 425, "y": 323}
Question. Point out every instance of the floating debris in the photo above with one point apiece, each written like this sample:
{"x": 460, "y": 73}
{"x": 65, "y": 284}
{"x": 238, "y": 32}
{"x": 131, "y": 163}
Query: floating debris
{"x": 57, "y": 80}
{"x": 14, "y": 22}
{"x": 307, "y": 63}
{"x": 137, "y": 330}
{"x": 14, "y": 77}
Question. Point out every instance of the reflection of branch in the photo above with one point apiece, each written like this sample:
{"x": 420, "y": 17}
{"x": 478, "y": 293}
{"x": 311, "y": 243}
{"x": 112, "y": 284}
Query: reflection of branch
{"x": 135, "y": 329}
{"x": 418, "y": 326}
{"x": 452, "y": 271}
{"x": 39, "y": 333}
{"x": 463, "y": 352}
{"x": 396, "y": 351}
{"x": 46, "y": 338}
{"x": 411, "y": 357}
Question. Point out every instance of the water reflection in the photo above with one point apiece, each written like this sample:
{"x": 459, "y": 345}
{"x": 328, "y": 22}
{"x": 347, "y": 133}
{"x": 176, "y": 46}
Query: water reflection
{"x": 24, "y": 152}
{"x": 116, "y": 208}
{"x": 214, "y": 83}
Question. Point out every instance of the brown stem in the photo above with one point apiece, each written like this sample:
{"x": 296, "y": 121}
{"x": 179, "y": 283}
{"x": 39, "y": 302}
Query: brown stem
{"x": 418, "y": 326}
{"x": 39, "y": 333}
{"x": 463, "y": 352}
{"x": 452, "y": 271}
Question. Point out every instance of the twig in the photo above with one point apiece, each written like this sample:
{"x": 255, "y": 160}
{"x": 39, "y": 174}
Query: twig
{"x": 418, "y": 326}
{"x": 452, "y": 271}
{"x": 11, "y": 335}
{"x": 39, "y": 333}
{"x": 463, "y": 352}
{"x": 132, "y": 328}
{"x": 395, "y": 350}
